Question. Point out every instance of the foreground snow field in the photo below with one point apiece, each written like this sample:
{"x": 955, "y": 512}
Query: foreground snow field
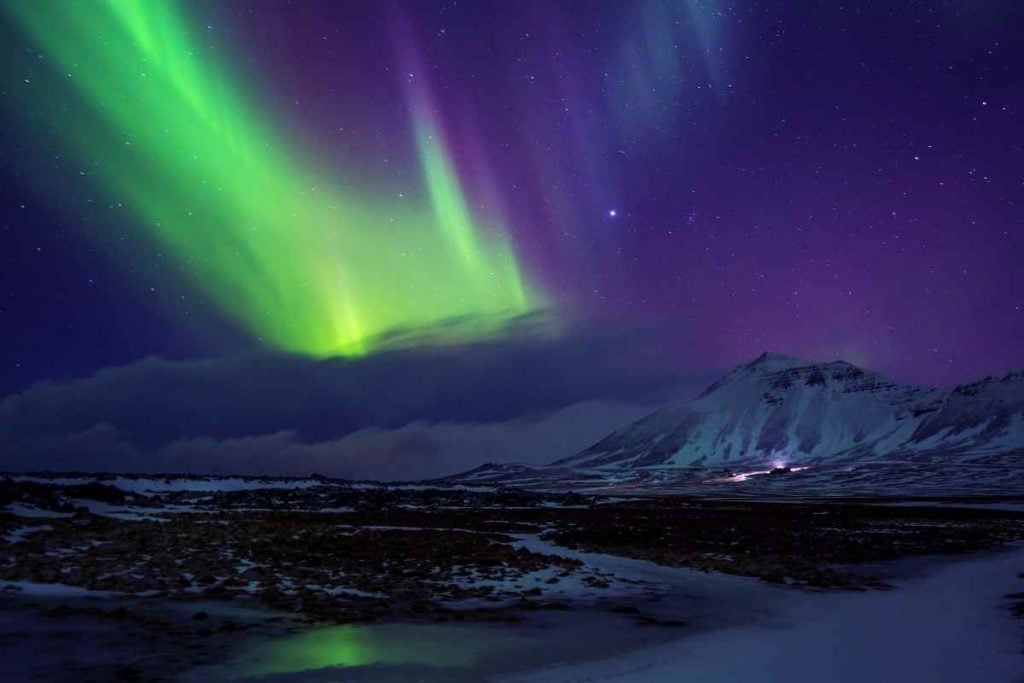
{"x": 952, "y": 625}
{"x": 208, "y": 579}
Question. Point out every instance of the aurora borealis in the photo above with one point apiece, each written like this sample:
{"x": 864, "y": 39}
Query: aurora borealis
{"x": 511, "y": 339}
{"x": 187, "y": 178}
{"x": 303, "y": 262}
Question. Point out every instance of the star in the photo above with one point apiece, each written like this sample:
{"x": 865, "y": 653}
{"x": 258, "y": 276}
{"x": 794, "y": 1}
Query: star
{"x": 613, "y": 213}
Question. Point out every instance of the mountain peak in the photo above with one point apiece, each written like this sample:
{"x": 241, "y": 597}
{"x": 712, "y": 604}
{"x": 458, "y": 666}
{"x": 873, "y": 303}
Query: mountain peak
{"x": 770, "y": 361}
{"x": 777, "y": 408}
{"x": 777, "y": 361}
{"x": 767, "y": 363}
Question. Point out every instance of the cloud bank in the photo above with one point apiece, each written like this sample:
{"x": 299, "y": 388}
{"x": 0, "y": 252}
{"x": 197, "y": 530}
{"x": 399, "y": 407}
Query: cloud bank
{"x": 402, "y": 414}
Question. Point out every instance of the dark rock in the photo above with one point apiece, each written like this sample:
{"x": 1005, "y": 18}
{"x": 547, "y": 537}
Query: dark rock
{"x": 624, "y": 609}
{"x": 127, "y": 673}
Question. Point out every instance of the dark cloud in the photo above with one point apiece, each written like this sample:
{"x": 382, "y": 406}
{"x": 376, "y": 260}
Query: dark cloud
{"x": 405, "y": 413}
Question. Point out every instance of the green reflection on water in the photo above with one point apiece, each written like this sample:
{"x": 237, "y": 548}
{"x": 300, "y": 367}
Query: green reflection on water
{"x": 344, "y": 646}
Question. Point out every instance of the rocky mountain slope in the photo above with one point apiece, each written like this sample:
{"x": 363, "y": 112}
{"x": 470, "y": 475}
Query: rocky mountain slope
{"x": 781, "y": 414}
{"x": 782, "y": 411}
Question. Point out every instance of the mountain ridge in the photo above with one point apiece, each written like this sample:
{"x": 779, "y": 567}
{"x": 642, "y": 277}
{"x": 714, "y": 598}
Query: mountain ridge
{"x": 779, "y": 413}
{"x": 775, "y": 408}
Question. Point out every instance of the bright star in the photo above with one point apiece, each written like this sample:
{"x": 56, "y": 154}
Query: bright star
{"x": 613, "y": 213}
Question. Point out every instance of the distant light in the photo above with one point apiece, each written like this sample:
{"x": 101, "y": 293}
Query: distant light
{"x": 613, "y": 213}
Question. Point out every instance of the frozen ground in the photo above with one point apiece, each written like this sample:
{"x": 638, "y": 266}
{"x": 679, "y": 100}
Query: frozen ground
{"x": 688, "y": 600}
{"x": 148, "y": 485}
{"x": 334, "y": 582}
{"x": 952, "y": 625}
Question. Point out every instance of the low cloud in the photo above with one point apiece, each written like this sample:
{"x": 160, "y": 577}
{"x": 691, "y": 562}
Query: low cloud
{"x": 402, "y": 414}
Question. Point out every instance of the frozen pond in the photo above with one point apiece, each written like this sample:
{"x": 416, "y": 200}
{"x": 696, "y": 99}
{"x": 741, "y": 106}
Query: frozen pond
{"x": 950, "y": 624}
{"x": 432, "y": 652}
{"x": 657, "y": 605}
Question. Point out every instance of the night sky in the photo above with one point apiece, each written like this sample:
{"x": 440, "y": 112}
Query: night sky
{"x": 216, "y": 179}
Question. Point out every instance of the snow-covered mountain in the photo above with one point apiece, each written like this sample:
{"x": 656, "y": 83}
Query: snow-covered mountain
{"x": 781, "y": 411}
{"x": 841, "y": 427}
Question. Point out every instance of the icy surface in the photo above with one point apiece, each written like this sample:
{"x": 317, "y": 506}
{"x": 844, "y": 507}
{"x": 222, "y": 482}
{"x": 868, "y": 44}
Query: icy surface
{"x": 22, "y": 510}
{"x": 51, "y": 590}
{"x": 950, "y": 626}
{"x": 144, "y": 485}
{"x": 21, "y": 533}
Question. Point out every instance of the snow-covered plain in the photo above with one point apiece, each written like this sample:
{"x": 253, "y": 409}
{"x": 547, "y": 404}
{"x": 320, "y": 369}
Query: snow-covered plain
{"x": 949, "y": 624}
{"x": 952, "y": 625}
{"x": 614, "y": 618}
{"x": 146, "y": 485}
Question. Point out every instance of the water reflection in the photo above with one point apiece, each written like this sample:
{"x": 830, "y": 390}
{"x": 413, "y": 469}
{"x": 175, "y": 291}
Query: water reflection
{"x": 444, "y": 651}
{"x": 446, "y": 646}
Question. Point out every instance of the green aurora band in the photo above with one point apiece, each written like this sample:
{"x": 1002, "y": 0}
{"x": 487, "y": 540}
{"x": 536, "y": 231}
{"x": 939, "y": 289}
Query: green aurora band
{"x": 284, "y": 250}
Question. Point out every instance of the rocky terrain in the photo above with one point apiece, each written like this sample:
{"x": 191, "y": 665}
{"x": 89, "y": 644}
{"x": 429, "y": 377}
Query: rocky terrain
{"x": 157, "y": 575}
{"x": 811, "y": 544}
{"x": 329, "y": 553}
{"x": 341, "y": 552}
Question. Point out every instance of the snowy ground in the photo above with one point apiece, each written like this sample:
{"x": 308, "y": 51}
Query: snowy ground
{"x": 952, "y": 625}
{"x": 465, "y": 601}
{"x": 148, "y": 485}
